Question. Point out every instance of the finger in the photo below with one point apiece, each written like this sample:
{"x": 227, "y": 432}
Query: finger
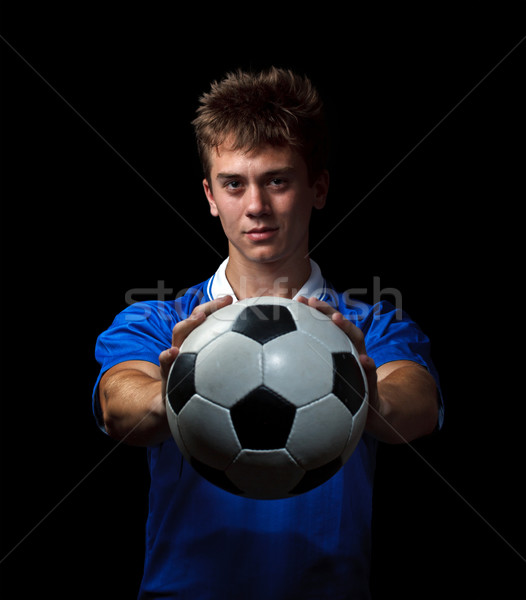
{"x": 369, "y": 366}
{"x": 209, "y": 307}
{"x": 166, "y": 359}
{"x": 322, "y": 306}
{"x": 355, "y": 334}
{"x": 183, "y": 329}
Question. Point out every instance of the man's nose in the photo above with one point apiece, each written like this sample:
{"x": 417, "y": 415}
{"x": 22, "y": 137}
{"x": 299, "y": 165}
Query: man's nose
{"x": 257, "y": 202}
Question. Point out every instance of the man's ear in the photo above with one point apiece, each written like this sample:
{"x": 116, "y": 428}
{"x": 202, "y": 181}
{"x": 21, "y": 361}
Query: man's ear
{"x": 321, "y": 189}
{"x": 210, "y": 197}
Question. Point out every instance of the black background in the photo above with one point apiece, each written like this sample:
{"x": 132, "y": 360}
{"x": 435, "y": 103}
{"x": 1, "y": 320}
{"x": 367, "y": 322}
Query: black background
{"x": 103, "y": 199}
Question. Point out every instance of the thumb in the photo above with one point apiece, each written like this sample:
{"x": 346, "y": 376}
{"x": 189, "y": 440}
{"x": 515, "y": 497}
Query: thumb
{"x": 166, "y": 360}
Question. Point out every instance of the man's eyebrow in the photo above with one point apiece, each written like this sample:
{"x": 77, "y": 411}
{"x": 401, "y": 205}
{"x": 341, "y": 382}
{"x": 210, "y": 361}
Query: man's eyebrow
{"x": 280, "y": 171}
{"x": 269, "y": 173}
{"x": 227, "y": 176}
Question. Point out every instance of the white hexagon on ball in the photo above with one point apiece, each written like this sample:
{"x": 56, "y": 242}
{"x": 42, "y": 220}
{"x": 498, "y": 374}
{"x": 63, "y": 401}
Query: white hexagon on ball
{"x": 314, "y": 323}
{"x": 207, "y": 432}
{"x": 217, "y": 323}
{"x": 308, "y": 441}
{"x": 228, "y": 368}
{"x": 298, "y": 368}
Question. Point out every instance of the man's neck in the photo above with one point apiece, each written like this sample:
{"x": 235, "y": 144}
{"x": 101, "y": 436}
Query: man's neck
{"x": 280, "y": 278}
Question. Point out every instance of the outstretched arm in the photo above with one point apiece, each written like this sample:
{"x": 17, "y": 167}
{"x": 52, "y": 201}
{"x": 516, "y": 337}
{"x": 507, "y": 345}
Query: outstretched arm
{"x": 132, "y": 393}
{"x": 405, "y": 406}
{"x": 403, "y": 402}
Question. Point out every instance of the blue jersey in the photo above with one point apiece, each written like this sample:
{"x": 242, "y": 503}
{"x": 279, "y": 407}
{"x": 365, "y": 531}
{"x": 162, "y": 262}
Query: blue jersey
{"x": 205, "y": 543}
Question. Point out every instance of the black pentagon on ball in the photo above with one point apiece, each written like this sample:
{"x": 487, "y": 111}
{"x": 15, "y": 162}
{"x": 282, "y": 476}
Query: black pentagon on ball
{"x": 348, "y": 384}
{"x": 180, "y": 386}
{"x": 264, "y": 322}
{"x": 262, "y": 419}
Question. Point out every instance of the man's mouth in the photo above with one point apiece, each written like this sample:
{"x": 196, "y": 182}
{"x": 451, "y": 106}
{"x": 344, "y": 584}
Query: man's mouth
{"x": 259, "y": 234}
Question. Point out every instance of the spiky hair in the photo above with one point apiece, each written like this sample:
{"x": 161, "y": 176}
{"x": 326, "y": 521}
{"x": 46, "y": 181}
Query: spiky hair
{"x": 276, "y": 107}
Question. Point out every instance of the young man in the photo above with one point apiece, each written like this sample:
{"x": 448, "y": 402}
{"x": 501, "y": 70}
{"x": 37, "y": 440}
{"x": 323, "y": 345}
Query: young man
{"x": 262, "y": 142}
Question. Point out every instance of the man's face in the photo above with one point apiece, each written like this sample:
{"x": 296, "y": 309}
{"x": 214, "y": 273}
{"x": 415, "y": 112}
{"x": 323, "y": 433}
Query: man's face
{"x": 264, "y": 201}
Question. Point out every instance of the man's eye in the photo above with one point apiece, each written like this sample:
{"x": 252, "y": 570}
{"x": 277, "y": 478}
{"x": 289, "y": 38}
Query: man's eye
{"x": 277, "y": 181}
{"x": 233, "y": 185}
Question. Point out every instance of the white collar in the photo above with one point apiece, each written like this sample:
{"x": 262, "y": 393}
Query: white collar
{"x": 315, "y": 285}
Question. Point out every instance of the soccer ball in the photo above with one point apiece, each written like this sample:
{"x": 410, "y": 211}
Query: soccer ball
{"x": 267, "y": 398}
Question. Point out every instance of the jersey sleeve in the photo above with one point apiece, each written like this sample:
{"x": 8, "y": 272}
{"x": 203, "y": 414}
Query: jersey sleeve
{"x": 140, "y": 332}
